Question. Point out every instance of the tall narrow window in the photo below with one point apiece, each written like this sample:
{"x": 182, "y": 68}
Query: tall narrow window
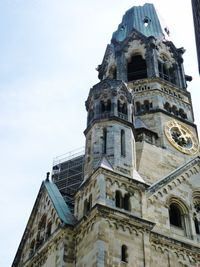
{"x": 104, "y": 141}
{"x": 85, "y": 210}
{"x": 124, "y": 253}
{"x": 123, "y": 150}
{"x": 118, "y": 199}
{"x": 175, "y": 215}
{"x": 146, "y": 105}
{"x": 138, "y": 107}
{"x": 127, "y": 202}
{"x": 32, "y": 247}
{"x": 197, "y": 228}
{"x": 48, "y": 231}
{"x": 90, "y": 202}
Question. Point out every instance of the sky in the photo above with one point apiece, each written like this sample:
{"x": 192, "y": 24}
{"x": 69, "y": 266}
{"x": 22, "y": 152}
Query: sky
{"x": 49, "y": 50}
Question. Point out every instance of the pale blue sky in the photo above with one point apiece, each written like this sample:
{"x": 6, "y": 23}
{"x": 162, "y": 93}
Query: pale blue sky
{"x": 49, "y": 50}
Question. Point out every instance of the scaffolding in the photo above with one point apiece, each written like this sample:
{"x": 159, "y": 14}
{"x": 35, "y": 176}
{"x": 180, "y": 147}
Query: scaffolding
{"x": 67, "y": 174}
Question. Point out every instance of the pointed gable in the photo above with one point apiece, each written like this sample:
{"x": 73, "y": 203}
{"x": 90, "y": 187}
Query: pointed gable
{"x": 50, "y": 211}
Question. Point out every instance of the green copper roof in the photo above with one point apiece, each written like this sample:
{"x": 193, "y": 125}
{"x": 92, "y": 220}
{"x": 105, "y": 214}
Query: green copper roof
{"x": 144, "y": 19}
{"x": 60, "y": 205}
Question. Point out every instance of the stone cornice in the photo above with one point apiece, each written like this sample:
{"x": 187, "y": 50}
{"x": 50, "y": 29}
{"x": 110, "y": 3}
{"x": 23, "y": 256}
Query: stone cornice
{"x": 186, "y": 247}
{"x": 116, "y": 217}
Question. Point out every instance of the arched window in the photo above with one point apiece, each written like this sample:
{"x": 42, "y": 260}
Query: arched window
{"x": 175, "y": 110}
{"x": 167, "y": 107}
{"x": 175, "y": 215}
{"x": 118, "y": 199}
{"x": 124, "y": 253}
{"x": 166, "y": 72}
{"x": 104, "y": 141}
{"x": 105, "y": 106}
{"x": 122, "y": 107}
{"x": 182, "y": 113}
{"x": 123, "y": 144}
{"x": 127, "y": 202}
{"x": 136, "y": 68}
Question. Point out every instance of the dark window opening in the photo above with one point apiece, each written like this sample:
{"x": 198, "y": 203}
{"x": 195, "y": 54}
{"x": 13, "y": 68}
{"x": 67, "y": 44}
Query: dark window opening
{"x": 118, "y": 199}
{"x": 136, "y": 68}
{"x": 175, "y": 110}
{"x": 175, "y": 215}
{"x": 124, "y": 253}
{"x": 104, "y": 141}
{"x": 48, "y": 231}
{"x": 167, "y": 107}
{"x": 123, "y": 144}
{"x": 85, "y": 211}
{"x": 121, "y": 107}
{"x": 146, "y": 105}
{"x": 182, "y": 113}
{"x": 103, "y": 108}
{"x": 138, "y": 106}
{"x": 127, "y": 202}
{"x": 90, "y": 202}
{"x": 197, "y": 227}
{"x": 87, "y": 205}
{"x": 166, "y": 73}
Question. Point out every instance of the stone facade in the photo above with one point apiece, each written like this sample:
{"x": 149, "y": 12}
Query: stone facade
{"x": 139, "y": 202}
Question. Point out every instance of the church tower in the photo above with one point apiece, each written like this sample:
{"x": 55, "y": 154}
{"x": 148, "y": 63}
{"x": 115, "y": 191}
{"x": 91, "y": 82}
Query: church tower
{"x": 137, "y": 200}
{"x": 152, "y": 67}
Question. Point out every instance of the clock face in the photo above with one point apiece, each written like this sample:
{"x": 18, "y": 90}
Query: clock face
{"x": 181, "y": 137}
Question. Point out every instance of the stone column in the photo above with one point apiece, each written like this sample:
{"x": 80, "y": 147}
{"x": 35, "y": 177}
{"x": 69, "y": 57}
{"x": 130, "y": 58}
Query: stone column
{"x": 151, "y": 59}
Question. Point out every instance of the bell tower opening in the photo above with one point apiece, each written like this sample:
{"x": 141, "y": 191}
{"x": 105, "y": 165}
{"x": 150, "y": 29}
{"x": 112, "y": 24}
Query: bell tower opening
{"x": 136, "y": 68}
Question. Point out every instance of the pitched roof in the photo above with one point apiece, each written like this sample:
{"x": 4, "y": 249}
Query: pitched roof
{"x": 60, "y": 205}
{"x": 104, "y": 163}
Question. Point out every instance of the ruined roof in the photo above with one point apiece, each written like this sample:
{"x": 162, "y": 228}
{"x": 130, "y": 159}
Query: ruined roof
{"x": 144, "y": 19}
